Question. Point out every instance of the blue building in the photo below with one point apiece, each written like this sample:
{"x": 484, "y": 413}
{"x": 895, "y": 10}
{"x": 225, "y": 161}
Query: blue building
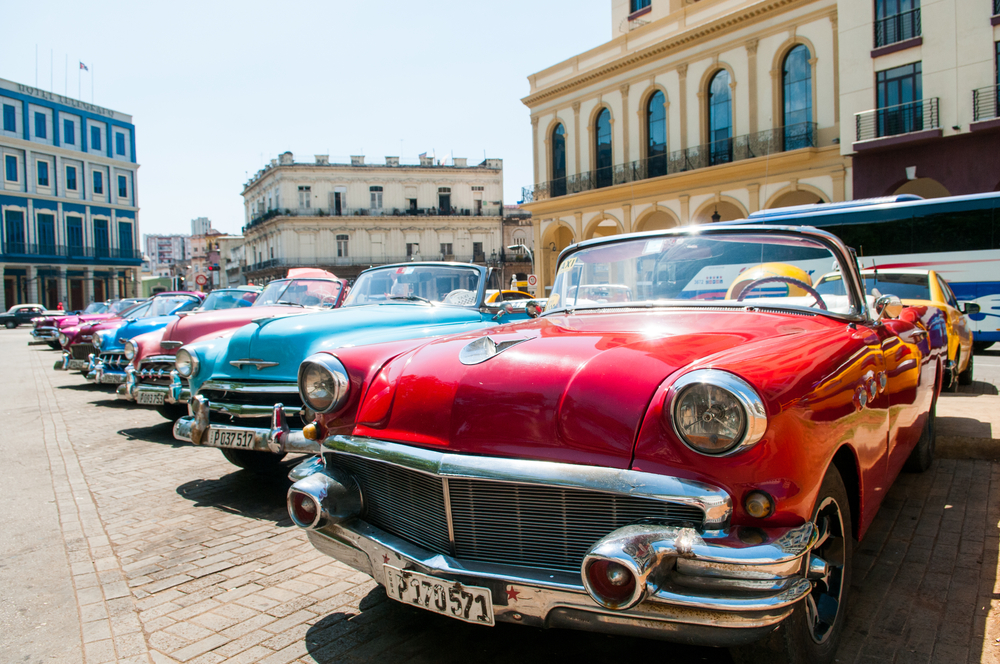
{"x": 68, "y": 206}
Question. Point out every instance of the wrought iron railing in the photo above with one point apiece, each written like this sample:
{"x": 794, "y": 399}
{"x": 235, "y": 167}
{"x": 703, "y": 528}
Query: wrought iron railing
{"x": 485, "y": 211}
{"x": 900, "y": 119}
{"x": 345, "y": 261}
{"x": 748, "y": 146}
{"x": 68, "y": 251}
{"x": 984, "y": 101}
{"x": 898, "y": 27}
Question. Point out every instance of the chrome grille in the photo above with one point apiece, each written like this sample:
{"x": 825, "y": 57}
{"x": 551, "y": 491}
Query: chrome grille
{"x": 155, "y": 373}
{"x": 81, "y": 351}
{"x": 114, "y": 361}
{"x": 241, "y": 398}
{"x": 500, "y": 522}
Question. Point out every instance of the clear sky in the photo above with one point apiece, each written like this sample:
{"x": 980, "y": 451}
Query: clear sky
{"x": 218, "y": 89}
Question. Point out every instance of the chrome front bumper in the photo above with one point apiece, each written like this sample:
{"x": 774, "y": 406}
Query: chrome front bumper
{"x": 43, "y": 336}
{"x": 722, "y": 587}
{"x": 101, "y": 375}
{"x": 279, "y": 439}
{"x": 132, "y": 389}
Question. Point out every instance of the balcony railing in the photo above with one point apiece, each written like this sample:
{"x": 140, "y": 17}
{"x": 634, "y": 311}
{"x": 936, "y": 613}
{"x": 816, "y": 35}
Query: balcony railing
{"x": 345, "y": 261}
{"x": 984, "y": 101}
{"x": 900, "y": 119}
{"x": 748, "y": 146}
{"x": 898, "y": 27}
{"x": 68, "y": 251}
{"x": 485, "y": 211}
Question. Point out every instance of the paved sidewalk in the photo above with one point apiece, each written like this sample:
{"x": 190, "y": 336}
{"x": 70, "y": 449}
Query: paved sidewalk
{"x": 150, "y": 550}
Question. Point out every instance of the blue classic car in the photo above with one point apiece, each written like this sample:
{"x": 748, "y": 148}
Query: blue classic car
{"x": 107, "y": 365}
{"x": 244, "y": 388}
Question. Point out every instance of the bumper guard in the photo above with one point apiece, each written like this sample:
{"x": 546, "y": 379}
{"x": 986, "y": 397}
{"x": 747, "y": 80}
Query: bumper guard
{"x": 279, "y": 439}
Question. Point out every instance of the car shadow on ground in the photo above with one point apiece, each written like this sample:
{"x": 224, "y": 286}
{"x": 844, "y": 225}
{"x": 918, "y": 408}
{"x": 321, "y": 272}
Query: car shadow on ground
{"x": 976, "y": 388}
{"x": 162, "y": 433}
{"x": 380, "y": 626}
{"x": 112, "y": 402}
{"x": 82, "y": 386}
{"x": 244, "y": 493}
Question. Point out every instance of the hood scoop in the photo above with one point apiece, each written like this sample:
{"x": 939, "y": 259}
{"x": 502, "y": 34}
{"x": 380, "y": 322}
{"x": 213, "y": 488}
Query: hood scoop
{"x": 484, "y": 348}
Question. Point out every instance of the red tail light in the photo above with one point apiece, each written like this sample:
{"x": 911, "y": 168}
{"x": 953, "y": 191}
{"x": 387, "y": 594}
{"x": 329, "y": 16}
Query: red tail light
{"x": 303, "y": 509}
{"x": 611, "y": 583}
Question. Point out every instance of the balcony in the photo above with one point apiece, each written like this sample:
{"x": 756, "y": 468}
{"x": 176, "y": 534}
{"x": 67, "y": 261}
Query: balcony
{"x": 485, "y": 211}
{"x": 748, "y": 146}
{"x": 365, "y": 261}
{"x": 911, "y": 117}
{"x": 984, "y": 101}
{"x": 63, "y": 253}
{"x": 897, "y": 28}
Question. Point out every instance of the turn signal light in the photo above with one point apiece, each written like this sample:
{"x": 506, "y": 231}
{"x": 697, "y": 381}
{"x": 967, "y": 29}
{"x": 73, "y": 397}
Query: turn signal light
{"x": 611, "y": 583}
{"x": 758, "y": 504}
{"x": 311, "y": 431}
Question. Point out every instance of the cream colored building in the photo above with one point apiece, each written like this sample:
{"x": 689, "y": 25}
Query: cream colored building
{"x": 713, "y": 109}
{"x": 347, "y": 217}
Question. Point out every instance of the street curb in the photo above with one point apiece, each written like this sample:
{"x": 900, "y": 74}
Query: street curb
{"x": 967, "y": 447}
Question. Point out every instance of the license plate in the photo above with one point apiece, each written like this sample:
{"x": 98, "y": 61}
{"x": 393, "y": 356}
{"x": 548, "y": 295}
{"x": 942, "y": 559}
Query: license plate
{"x": 236, "y": 438}
{"x": 150, "y": 398}
{"x": 77, "y": 364}
{"x": 449, "y": 598}
{"x": 113, "y": 378}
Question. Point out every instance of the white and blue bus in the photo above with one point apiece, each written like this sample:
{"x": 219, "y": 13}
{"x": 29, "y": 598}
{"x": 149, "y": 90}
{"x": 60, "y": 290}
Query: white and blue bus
{"x": 957, "y": 236}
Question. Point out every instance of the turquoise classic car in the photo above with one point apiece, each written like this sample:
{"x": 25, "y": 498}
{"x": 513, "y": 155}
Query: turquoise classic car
{"x": 245, "y": 399}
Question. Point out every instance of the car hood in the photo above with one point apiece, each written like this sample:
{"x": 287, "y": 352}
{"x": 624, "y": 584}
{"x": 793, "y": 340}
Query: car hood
{"x": 205, "y": 324}
{"x": 569, "y": 388}
{"x": 290, "y": 339}
{"x": 112, "y": 342}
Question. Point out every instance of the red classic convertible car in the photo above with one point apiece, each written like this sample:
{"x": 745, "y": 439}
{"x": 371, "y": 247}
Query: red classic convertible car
{"x": 691, "y": 461}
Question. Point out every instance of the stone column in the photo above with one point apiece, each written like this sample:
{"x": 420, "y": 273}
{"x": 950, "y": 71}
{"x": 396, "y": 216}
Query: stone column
{"x": 576, "y": 136}
{"x": 88, "y": 285}
{"x": 32, "y": 277}
{"x": 3, "y": 300}
{"x": 751, "y": 47}
{"x": 627, "y": 218}
{"x": 682, "y": 73}
{"x": 534, "y": 147}
{"x": 61, "y": 290}
{"x": 625, "y": 142}
{"x": 754, "y": 191}
{"x": 685, "y": 209}
{"x": 114, "y": 285}
{"x": 578, "y": 224}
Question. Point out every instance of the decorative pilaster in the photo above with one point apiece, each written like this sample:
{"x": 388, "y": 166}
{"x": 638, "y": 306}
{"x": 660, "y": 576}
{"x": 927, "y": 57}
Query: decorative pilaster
{"x": 751, "y": 47}
{"x": 682, "y": 73}
{"x": 576, "y": 136}
{"x": 685, "y": 209}
{"x": 627, "y": 217}
{"x": 32, "y": 278}
{"x": 88, "y": 285}
{"x": 625, "y": 137}
{"x": 754, "y": 191}
{"x": 534, "y": 146}
{"x": 61, "y": 288}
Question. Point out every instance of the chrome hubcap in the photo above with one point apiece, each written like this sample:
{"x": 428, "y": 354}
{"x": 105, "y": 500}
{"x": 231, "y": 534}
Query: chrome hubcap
{"x": 824, "y": 602}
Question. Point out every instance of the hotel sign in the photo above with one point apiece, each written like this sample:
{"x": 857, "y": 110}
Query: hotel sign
{"x": 66, "y": 101}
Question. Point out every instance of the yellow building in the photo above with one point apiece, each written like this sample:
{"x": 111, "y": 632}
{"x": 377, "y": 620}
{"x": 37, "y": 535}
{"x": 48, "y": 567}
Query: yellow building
{"x": 694, "y": 111}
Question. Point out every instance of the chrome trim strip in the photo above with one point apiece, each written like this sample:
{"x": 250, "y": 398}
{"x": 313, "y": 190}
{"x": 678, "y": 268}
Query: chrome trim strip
{"x": 446, "y": 491}
{"x": 258, "y": 364}
{"x": 712, "y": 501}
{"x": 284, "y": 388}
{"x": 158, "y": 358}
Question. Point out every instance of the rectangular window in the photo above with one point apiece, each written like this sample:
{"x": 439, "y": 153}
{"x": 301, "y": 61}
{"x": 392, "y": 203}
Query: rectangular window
{"x": 14, "y": 232}
{"x": 446, "y": 249}
{"x": 900, "y": 100}
{"x": 896, "y": 21}
{"x": 101, "y": 244}
{"x": 10, "y": 168}
{"x": 40, "y": 125}
{"x": 305, "y": 196}
{"x": 95, "y": 138}
{"x": 119, "y": 143}
{"x": 98, "y": 182}
{"x": 69, "y": 132}
{"x": 43, "y": 173}
{"x": 342, "y": 246}
{"x": 376, "y": 197}
{"x": 636, "y": 5}
{"x": 477, "y": 252}
{"x": 74, "y": 234}
{"x": 412, "y": 248}
{"x": 46, "y": 234}
{"x": 9, "y": 118}
{"x": 71, "y": 178}
{"x": 125, "y": 238}
{"x": 122, "y": 186}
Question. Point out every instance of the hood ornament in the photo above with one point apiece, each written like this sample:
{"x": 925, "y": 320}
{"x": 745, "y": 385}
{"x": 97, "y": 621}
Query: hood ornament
{"x": 484, "y": 348}
{"x": 260, "y": 364}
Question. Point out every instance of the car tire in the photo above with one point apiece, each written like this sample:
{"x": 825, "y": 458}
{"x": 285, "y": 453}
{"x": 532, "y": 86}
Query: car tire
{"x": 10, "y": 325}
{"x": 980, "y": 346}
{"x": 965, "y": 378}
{"x": 922, "y": 456}
{"x": 807, "y": 636}
{"x": 262, "y": 463}
{"x": 172, "y": 411}
{"x": 54, "y": 345}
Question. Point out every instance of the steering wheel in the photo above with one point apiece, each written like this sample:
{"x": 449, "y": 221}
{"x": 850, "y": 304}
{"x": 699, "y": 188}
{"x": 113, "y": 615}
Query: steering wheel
{"x": 329, "y": 300}
{"x": 785, "y": 280}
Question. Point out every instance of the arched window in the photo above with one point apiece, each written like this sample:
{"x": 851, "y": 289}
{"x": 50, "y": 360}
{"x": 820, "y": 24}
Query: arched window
{"x": 656, "y": 133}
{"x": 797, "y": 102}
{"x": 720, "y": 119}
{"x": 558, "y": 179}
{"x": 602, "y": 149}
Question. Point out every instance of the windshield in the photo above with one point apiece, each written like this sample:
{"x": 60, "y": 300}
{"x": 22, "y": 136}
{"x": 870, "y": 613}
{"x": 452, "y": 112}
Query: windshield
{"x": 134, "y": 310}
{"x": 164, "y": 306}
{"x": 96, "y": 308}
{"x": 228, "y": 299}
{"x": 903, "y": 286}
{"x": 300, "y": 292}
{"x": 121, "y": 306}
{"x": 771, "y": 269}
{"x": 442, "y": 284}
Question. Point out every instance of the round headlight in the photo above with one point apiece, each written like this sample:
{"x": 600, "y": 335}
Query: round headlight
{"x": 186, "y": 363}
{"x": 716, "y": 413}
{"x": 129, "y": 350}
{"x": 63, "y": 339}
{"x": 97, "y": 341}
{"x": 323, "y": 383}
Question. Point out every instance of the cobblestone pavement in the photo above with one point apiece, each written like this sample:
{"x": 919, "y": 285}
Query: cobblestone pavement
{"x": 176, "y": 556}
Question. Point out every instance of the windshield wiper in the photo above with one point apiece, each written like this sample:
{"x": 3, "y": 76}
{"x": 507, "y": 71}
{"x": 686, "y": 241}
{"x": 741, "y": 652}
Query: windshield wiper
{"x": 411, "y": 298}
{"x": 292, "y": 304}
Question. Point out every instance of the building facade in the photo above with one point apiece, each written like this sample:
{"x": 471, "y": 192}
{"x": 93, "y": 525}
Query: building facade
{"x": 919, "y": 82}
{"x": 348, "y": 217}
{"x": 232, "y": 261}
{"x": 165, "y": 252}
{"x": 68, "y": 203}
{"x": 694, "y": 111}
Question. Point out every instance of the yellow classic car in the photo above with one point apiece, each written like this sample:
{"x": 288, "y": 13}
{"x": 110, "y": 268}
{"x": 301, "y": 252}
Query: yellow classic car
{"x": 925, "y": 288}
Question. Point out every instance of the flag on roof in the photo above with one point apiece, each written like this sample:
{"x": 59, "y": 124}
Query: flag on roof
{"x": 84, "y": 67}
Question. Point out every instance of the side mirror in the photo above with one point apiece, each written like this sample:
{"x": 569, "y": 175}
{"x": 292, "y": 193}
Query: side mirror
{"x": 533, "y": 308}
{"x": 971, "y": 308}
{"x": 505, "y": 310}
{"x": 887, "y": 306}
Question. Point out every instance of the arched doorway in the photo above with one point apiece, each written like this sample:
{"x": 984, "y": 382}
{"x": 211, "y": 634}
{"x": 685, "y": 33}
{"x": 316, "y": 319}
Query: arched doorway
{"x": 656, "y": 221}
{"x": 725, "y": 210}
{"x": 924, "y": 187}
{"x": 559, "y": 238}
{"x": 800, "y": 197}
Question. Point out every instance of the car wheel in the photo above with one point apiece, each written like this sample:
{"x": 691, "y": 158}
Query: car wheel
{"x": 10, "y": 325}
{"x": 172, "y": 411}
{"x": 263, "y": 463}
{"x": 965, "y": 378}
{"x": 922, "y": 456}
{"x": 951, "y": 376}
{"x": 54, "y": 345}
{"x": 980, "y": 346}
{"x": 812, "y": 632}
